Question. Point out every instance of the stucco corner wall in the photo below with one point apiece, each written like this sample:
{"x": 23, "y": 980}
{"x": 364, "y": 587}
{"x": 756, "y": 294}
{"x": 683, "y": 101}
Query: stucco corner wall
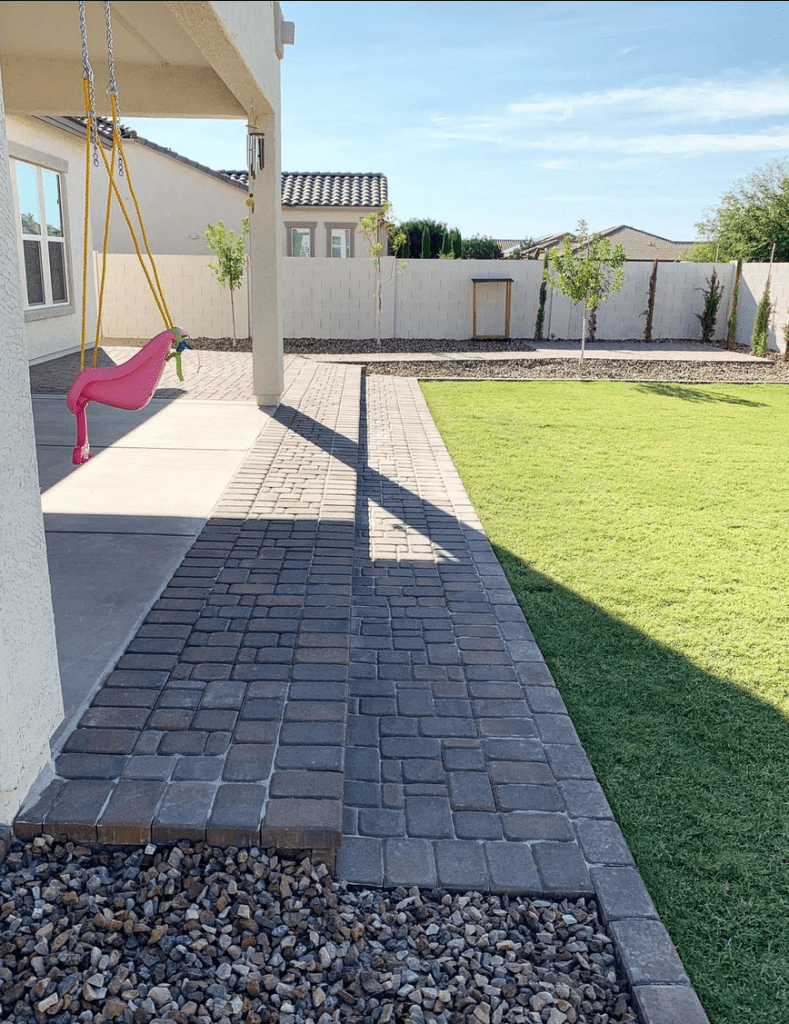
{"x": 30, "y": 701}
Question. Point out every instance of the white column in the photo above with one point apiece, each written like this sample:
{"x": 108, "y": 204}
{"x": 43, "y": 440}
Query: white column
{"x": 31, "y": 705}
{"x": 265, "y": 248}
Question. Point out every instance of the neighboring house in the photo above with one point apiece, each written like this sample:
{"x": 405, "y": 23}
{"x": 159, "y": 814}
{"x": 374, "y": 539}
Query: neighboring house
{"x": 322, "y": 211}
{"x": 180, "y": 197}
{"x": 638, "y": 245}
{"x": 173, "y": 60}
{"x": 510, "y": 247}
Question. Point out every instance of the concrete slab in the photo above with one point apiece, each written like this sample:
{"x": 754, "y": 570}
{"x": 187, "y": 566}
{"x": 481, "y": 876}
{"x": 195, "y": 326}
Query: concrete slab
{"x": 119, "y": 526}
{"x": 140, "y": 490}
{"x": 102, "y": 586}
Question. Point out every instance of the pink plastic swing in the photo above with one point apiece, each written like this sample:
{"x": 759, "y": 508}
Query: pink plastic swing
{"x": 132, "y": 384}
{"x": 128, "y": 386}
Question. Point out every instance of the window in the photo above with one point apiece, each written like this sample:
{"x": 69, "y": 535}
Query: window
{"x": 340, "y": 246}
{"x": 40, "y": 195}
{"x": 301, "y": 242}
{"x": 339, "y": 240}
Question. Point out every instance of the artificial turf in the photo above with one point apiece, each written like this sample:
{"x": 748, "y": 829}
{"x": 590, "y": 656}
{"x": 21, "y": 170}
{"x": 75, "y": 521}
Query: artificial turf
{"x": 643, "y": 528}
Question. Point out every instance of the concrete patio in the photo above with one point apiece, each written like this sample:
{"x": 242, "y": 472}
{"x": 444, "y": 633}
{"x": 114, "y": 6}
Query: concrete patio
{"x": 295, "y": 634}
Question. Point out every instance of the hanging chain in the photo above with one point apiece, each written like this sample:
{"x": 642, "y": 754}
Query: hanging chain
{"x": 87, "y": 72}
{"x": 112, "y": 88}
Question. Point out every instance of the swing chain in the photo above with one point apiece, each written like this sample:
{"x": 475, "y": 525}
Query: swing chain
{"x": 87, "y": 72}
{"x": 112, "y": 89}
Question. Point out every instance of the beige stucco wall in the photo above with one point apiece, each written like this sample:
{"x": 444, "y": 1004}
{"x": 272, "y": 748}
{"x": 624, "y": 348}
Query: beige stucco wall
{"x": 320, "y": 219}
{"x": 54, "y": 331}
{"x": 195, "y": 299}
{"x": 177, "y": 201}
{"x": 30, "y": 701}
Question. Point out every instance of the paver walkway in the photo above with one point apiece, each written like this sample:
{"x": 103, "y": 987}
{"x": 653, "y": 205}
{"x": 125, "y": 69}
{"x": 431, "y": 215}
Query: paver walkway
{"x": 340, "y": 665}
{"x": 450, "y": 759}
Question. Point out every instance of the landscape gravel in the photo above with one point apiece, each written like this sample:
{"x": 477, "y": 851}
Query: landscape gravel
{"x": 639, "y": 370}
{"x": 192, "y": 933}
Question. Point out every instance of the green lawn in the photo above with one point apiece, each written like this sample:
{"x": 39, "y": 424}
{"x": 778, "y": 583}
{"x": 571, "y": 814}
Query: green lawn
{"x": 644, "y": 529}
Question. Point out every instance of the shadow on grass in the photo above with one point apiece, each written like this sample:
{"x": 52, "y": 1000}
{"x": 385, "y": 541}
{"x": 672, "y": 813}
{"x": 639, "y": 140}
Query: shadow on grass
{"x": 691, "y": 394}
{"x": 695, "y": 770}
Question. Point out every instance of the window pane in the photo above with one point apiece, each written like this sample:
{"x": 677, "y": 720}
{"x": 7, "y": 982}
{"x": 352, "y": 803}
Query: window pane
{"x": 301, "y": 242}
{"x": 57, "y": 271}
{"x": 35, "y": 281}
{"x": 52, "y": 203}
{"x": 27, "y": 181}
{"x": 340, "y": 243}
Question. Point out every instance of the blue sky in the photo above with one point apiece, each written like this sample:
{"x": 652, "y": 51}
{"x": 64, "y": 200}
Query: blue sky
{"x": 517, "y": 119}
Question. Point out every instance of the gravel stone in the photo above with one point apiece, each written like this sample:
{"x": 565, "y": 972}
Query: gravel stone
{"x": 193, "y": 932}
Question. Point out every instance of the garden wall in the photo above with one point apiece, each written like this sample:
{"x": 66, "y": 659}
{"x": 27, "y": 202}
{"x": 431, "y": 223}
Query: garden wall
{"x": 193, "y": 295}
{"x": 334, "y": 299}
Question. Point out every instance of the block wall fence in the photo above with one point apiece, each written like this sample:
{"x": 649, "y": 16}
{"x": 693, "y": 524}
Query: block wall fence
{"x": 433, "y": 299}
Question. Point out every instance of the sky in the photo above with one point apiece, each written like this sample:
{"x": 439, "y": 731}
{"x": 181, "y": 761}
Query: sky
{"x": 516, "y": 120}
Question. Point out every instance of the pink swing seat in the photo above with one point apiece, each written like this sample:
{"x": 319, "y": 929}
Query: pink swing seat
{"x": 128, "y": 386}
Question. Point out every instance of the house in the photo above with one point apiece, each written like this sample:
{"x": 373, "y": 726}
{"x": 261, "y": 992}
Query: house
{"x": 322, "y": 211}
{"x": 182, "y": 196}
{"x": 172, "y": 59}
{"x": 639, "y": 245}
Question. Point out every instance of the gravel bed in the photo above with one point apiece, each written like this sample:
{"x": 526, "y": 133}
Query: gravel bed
{"x": 191, "y": 933}
{"x": 648, "y": 370}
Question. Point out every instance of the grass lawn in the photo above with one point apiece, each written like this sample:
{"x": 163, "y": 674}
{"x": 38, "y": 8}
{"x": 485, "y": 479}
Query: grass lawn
{"x": 644, "y": 529}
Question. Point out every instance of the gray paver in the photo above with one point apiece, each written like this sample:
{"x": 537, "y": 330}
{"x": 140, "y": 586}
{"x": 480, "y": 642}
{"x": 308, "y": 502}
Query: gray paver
{"x": 289, "y": 661}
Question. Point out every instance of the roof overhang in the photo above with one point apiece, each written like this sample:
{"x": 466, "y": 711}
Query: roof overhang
{"x": 172, "y": 59}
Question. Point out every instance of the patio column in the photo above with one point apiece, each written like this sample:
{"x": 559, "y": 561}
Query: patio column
{"x": 31, "y": 706}
{"x": 265, "y": 253}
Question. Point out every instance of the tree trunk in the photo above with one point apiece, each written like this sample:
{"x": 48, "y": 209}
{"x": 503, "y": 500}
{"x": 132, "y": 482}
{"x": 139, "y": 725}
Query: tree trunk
{"x": 583, "y": 335}
{"x": 233, "y": 315}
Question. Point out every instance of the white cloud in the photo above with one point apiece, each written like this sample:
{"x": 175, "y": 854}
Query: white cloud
{"x": 766, "y": 96}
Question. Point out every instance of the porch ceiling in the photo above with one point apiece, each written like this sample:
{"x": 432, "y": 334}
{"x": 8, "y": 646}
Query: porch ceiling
{"x": 166, "y": 62}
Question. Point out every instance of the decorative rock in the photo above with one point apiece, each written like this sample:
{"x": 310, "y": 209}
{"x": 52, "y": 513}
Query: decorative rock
{"x": 200, "y": 935}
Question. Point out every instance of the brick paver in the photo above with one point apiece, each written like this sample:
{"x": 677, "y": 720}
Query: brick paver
{"x": 225, "y": 718}
{"x": 340, "y": 665}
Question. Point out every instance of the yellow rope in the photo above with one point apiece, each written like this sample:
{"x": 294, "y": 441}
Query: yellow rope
{"x": 88, "y": 124}
{"x": 156, "y": 289}
{"x": 161, "y": 306}
{"x": 168, "y": 318}
{"x": 100, "y": 310}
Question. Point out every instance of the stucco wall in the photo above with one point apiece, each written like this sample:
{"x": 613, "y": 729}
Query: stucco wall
{"x": 37, "y": 142}
{"x": 320, "y": 219}
{"x": 30, "y": 701}
{"x": 177, "y": 201}
{"x": 331, "y": 298}
{"x": 194, "y": 297}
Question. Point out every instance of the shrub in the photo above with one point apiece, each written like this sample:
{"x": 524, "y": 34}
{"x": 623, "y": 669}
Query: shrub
{"x": 731, "y": 333}
{"x": 712, "y": 300}
{"x": 481, "y": 248}
{"x": 649, "y": 312}
{"x": 761, "y": 327}
{"x": 540, "y": 323}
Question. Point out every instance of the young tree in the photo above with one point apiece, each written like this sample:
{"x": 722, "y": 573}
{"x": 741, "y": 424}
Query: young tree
{"x": 426, "y": 248}
{"x": 586, "y": 269}
{"x": 229, "y": 249}
{"x": 752, "y": 215}
{"x": 712, "y": 300}
{"x": 375, "y": 228}
{"x": 760, "y": 339}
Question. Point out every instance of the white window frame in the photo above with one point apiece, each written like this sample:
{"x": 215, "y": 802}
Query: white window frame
{"x": 43, "y": 162}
